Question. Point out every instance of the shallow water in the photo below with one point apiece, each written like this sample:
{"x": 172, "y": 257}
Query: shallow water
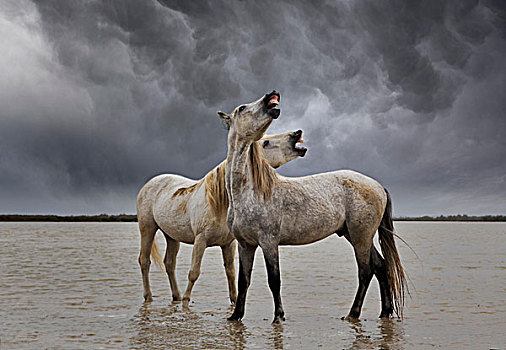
{"x": 78, "y": 285}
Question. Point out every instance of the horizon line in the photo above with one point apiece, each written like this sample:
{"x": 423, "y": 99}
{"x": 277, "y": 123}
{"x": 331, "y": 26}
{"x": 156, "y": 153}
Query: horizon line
{"x": 123, "y": 217}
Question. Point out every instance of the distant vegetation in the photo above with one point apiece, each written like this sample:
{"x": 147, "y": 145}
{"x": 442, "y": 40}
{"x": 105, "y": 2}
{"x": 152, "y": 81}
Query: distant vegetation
{"x": 72, "y": 218}
{"x": 133, "y": 218}
{"x": 459, "y": 217}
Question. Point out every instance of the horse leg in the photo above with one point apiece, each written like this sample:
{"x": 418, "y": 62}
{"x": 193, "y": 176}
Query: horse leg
{"x": 170, "y": 266}
{"x": 228, "y": 252}
{"x": 199, "y": 247}
{"x": 148, "y": 231}
{"x": 364, "y": 278}
{"x": 246, "y": 258}
{"x": 271, "y": 256}
{"x": 380, "y": 271}
{"x": 365, "y": 273}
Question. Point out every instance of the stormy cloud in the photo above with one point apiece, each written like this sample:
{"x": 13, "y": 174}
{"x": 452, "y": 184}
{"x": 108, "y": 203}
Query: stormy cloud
{"x": 97, "y": 97}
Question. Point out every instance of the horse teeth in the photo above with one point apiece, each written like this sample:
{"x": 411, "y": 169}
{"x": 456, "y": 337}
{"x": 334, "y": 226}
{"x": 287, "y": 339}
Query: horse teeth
{"x": 273, "y": 101}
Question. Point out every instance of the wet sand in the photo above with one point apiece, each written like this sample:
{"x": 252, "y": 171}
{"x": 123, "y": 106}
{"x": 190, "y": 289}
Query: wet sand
{"x": 78, "y": 285}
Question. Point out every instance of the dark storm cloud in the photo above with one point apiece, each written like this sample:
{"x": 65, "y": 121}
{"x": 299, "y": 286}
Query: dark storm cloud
{"x": 100, "y": 96}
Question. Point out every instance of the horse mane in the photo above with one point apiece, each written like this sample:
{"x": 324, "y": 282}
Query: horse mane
{"x": 264, "y": 176}
{"x": 216, "y": 190}
{"x": 184, "y": 191}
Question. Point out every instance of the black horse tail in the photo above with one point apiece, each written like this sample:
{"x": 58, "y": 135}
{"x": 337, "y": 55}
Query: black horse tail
{"x": 396, "y": 275}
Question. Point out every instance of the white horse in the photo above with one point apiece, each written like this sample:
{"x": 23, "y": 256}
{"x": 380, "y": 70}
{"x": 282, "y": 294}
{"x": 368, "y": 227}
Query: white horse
{"x": 269, "y": 210}
{"x": 194, "y": 212}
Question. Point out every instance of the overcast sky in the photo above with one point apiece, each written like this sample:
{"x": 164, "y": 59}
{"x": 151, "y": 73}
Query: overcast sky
{"x": 96, "y": 97}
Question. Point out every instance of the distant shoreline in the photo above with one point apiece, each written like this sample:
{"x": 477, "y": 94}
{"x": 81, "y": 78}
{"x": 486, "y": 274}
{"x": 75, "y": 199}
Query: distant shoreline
{"x": 133, "y": 218}
{"x": 457, "y": 218}
{"x": 70, "y": 218}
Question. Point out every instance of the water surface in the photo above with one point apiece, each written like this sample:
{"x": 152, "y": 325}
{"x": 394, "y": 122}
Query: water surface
{"x": 78, "y": 285}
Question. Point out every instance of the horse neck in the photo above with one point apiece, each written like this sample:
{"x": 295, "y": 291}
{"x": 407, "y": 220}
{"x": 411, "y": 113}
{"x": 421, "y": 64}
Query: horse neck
{"x": 237, "y": 169}
{"x": 246, "y": 168}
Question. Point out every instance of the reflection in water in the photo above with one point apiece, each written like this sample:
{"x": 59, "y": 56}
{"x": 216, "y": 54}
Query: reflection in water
{"x": 392, "y": 333}
{"x": 277, "y": 336}
{"x": 149, "y": 329}
{"x": 237, "y": 332}
{"x": 362, "y": 339}
{"x": 179, "y": 327}
{"x": 389, "y": 335}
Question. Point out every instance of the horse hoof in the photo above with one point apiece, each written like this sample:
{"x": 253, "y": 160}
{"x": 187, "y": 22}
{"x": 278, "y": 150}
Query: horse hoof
{"x": 234, "y": 317}
{"x": 148, "y": 298}
{"x": 350, "y": 318}
{"x": 176, "y": 299}
{"x": 277, "y": 320}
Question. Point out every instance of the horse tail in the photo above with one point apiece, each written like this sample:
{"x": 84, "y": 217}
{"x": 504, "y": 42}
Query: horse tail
{"x": 396, "y": 275}
{"x": 156, "y": 255}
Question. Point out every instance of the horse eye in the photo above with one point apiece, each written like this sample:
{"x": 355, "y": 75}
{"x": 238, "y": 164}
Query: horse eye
{"x": 242, "y": 108}
{"x": 266, "y": 142}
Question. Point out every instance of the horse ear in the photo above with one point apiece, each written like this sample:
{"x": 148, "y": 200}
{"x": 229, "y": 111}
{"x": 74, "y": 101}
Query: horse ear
{"x": 223, "y": 115}
{"x": 225, "y": 118}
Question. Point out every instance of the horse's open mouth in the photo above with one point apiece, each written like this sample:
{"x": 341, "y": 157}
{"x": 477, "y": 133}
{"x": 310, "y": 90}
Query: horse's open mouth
{"x": 271, "y": 100}
{"x": 297, "y": 138}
